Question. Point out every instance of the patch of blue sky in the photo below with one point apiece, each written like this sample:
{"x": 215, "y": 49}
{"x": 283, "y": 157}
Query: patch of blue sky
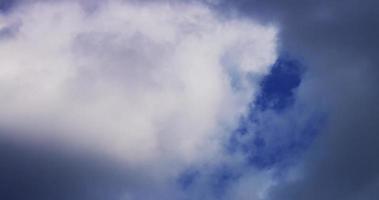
{"x": 273, "y": 135}
{"x": 276, "y": 131}
{"x": 277, "y": 88}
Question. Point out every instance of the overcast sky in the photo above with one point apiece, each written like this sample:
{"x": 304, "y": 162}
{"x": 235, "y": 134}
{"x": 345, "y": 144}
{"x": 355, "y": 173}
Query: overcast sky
{"x": 189, "y": 100}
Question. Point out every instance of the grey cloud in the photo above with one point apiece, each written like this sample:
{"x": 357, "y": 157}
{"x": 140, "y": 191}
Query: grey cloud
{"x": 41, "y": 172}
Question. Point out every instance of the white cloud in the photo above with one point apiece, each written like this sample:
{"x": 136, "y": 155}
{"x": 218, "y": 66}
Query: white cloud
{"x": 141, "y": 82}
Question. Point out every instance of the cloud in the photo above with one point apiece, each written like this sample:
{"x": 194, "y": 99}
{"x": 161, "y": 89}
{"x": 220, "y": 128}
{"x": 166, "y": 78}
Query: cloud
{"x": 157, "y": 83}
{"x": 37, "y": 172}
{"x": 148, "y": 84}
{"x": 338, "y": 43}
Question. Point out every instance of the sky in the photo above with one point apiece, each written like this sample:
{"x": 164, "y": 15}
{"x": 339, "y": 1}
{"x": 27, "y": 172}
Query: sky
{"x": 189, "y": 100}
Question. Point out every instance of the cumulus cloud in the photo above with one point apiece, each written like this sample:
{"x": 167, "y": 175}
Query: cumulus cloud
{"x": 160, "y": 85}
{"x": 148, "y": 84}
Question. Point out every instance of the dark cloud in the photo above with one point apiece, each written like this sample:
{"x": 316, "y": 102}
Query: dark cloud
{"x": 42, "y": 172}
{"x": 338, "y": 41}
